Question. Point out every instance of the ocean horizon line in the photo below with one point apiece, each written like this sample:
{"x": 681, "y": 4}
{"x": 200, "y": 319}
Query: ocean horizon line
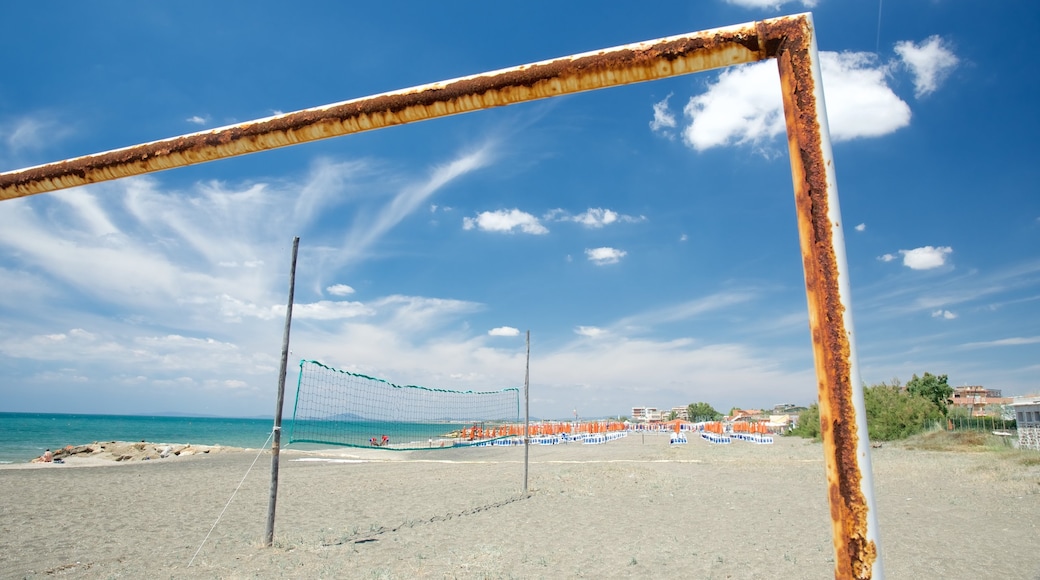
{"x": 176, "y": 415}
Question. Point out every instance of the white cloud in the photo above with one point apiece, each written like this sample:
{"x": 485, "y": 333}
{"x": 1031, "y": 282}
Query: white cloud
{"x": 930, "y": 63}
{"x": 505, "y": 221}
{"x": 196, "y": 120}
{"x": 340, "y": 290}
{"x": 861, "y": 228}
{"x": 597, "y": 217}
{"x": 589, "y": 331}
{"x": 664, "y": 121}
{"x": 683, "y": 238}
{"x": 601, "y": 256}
{"x": 945, "y": 314}
{"x": 504, "y": 331}
{"x": 925, "y": 258}
{"x": 744, "y": 105}
{"x": 887, "y": 257}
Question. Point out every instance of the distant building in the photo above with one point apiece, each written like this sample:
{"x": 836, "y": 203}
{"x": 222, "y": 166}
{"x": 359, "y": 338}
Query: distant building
{"x": 645, "y": 414}
{"x": 681, "y": 413}
{"x": 1027, "y": 416}
{"x": 746, "y": 415}
{"x": 779, "y": 423}
{"x": 978, "y": 400}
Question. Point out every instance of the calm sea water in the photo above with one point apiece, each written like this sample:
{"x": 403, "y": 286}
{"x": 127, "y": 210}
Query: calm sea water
{"x": 24, "y": 436}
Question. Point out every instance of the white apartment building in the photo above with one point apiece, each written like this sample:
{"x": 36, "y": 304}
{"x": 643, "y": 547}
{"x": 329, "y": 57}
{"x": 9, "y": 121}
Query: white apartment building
{"x": 645, "y": 414}
{"x": 1027, "y": 417}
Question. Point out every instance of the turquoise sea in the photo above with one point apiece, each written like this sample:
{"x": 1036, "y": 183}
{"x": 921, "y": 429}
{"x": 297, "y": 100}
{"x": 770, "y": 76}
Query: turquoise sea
{"x": 24, "y": 436}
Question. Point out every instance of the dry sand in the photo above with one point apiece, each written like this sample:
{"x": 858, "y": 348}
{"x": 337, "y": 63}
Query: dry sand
{"x": 636, "y": 507}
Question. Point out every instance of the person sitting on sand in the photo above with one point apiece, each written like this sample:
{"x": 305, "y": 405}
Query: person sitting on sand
{"x": 386, "y": 440}
{"x": 47, "y": 456}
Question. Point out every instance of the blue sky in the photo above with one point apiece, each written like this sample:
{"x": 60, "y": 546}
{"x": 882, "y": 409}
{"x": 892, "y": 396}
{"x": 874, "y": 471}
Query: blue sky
{"x": 645, "y": 235}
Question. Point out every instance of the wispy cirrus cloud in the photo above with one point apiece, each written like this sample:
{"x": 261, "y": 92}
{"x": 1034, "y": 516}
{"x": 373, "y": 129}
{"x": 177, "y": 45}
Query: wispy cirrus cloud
{"x": 685, "y": 310}
{"x": 1013, "y": 341}
{"x": 367, "y": 231}
{"x": 32, "y": 132}
{"x": 594, "y": 217}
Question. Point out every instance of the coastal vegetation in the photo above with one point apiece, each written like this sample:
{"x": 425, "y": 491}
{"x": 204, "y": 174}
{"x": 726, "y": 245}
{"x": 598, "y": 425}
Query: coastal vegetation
{"x": 894, "y": 411}
{"x": 702, "y": 412}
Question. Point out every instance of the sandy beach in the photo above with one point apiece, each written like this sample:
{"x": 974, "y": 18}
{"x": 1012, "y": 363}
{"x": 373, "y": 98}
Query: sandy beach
{"x": 636, "y": 507}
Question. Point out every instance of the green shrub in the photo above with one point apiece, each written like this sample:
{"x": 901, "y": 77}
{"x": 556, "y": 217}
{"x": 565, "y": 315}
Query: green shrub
{"x": 808, "y": 423}
{"x": 891, "y": 414}
{"x": 895, "y": 414}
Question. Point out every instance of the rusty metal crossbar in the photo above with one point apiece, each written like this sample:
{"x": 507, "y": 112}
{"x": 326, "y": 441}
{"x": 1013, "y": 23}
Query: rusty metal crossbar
{"x": 789, "y": 39}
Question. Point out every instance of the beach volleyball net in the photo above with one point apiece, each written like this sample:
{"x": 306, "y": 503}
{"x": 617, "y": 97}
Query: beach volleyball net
{"x": 339, "y": 407}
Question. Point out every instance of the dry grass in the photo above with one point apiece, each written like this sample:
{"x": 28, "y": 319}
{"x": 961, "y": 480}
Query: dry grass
{"x": 959, "y": 441}
{"x": 972, "y": 442}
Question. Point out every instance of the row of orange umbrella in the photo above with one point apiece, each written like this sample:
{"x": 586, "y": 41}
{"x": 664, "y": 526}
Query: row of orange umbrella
{"x": 517, "y": 430}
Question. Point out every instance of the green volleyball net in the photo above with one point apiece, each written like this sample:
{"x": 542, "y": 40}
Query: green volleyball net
{"x": 338, "y": 407}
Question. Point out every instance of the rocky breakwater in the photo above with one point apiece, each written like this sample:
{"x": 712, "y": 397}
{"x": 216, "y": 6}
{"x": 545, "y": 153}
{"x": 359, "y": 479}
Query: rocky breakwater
{"x": 130, "y": 451}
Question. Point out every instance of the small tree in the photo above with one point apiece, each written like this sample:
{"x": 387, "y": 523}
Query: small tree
{"x": 932, "y": 387}
{"x": 702, "y": 412}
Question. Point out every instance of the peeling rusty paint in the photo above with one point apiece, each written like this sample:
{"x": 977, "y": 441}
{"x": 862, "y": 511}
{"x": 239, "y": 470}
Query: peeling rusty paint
{"x": 855, "y": 552}
{"x": 607, "y": 68}
{"x": 788, "y": 39}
